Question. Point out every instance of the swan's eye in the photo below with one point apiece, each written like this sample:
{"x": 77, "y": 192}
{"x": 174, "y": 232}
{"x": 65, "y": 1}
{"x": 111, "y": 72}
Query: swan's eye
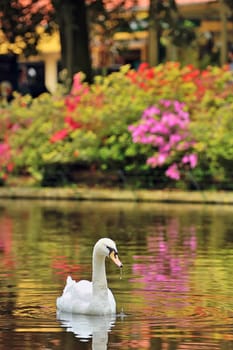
{"x": 112, "y": 250}
{"x": 113, "y": 255}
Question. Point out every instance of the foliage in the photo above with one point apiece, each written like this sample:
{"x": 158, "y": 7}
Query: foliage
{"x": 23, "y": 23}
{"x": 33, "y": 120}
{"x": 164, "y": 15}
{"x": 6, "y": 166}
{"x": 168, "y": 107}
{"x": 19, "y": 21}
{"x": 214, "y": 134}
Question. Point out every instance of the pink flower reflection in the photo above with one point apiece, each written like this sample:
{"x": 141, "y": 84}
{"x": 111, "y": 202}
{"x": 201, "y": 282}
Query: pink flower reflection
{"x": 7, "y": 263}
{"x": 167, "y": 265}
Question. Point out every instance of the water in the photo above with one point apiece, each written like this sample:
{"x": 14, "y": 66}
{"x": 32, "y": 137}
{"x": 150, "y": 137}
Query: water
{"x": 175, "y": 291}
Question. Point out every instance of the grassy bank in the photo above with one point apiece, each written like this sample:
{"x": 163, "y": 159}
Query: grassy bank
{"x": 103, "y": 194}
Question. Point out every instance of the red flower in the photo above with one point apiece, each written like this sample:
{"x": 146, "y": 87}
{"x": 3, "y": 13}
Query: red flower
{"x": 190, "y": 76}
{"x": 133, "y": 76}
{"x": 143, "y": 67}
{"x": 72, "y": 123}
{"x": 58, "y": 136}
{"x": 190, "y": 67}
{"x": 205, "y": 74}
{"x": 10, "y": 167}
{"x": 150, "y": 73}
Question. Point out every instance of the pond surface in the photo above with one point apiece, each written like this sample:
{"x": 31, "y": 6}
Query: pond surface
{"x": 176, "y": 291}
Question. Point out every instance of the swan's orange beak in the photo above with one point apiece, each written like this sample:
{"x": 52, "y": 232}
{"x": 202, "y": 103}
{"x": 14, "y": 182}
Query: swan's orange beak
{"x": 114, "y": 257}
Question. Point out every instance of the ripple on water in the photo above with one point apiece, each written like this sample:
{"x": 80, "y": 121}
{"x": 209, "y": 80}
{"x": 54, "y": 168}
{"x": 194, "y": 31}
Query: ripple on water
{"x": 175, "y": 291}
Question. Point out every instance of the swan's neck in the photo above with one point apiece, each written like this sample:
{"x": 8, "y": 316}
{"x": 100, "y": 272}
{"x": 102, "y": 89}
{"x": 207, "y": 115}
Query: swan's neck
{"x": 99, "y": 280}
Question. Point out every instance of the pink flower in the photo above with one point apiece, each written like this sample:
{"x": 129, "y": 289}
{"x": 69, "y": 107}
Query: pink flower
{"x": 166, "y": 128}
{"x": 159, "y": 128}
{"x": 191, "y": 159}
{"x": 151, "y": 111}
{"x": 157, "y": 160}
{"x": 185, "y": 159}
{"x": 6, "y": 164}
{"x": 77, "y": 83}
{"x": 165, "y": 103}
{"x": 173, "y": 172}
{"x": 175, "y": 138}
{"x": 152, "y": 161}
{"x": 159, "y": 140}
{"x": 162, "y": 157}
{"x": 15, "y": 127}
{"x": 131, "y": 128}
{"x": 178, "y": 106}
{"x": 170, "y": 119}
{"x": 4, "y": 147}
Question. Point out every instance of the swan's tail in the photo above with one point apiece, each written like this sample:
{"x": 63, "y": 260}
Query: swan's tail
{"x": 69, "y": 284}
{"x": 69, "y": 280}
{"x": 66, "y": 295}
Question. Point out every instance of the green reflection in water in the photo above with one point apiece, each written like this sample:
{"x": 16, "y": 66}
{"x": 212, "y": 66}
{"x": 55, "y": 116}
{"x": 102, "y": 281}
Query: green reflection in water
{"x": 176, "y": 291}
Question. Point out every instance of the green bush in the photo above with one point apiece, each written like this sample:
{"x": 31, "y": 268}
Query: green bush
{"x": 89, "y": 127}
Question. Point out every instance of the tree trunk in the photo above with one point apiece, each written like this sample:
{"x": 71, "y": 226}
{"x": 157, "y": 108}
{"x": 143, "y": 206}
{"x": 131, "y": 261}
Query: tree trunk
{"x": 223, "y": 19}
{"x": 72, "y": 21}
{"x": 153, "y": 38}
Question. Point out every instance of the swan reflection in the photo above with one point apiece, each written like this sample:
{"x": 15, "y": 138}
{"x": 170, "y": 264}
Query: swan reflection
{"x": 86, "y": 327}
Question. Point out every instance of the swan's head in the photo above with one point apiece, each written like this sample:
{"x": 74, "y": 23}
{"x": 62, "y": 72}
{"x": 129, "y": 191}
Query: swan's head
{"x": 107, "y": 247}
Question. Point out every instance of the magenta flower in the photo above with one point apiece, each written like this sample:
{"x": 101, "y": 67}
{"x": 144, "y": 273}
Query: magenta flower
{"x": 193, "y": 160}
{"x": 159, "y": 140}
{"x": 151, "y": 111}
{"x": 190, "y": 159}
{"x": 160, "y": 128}
{"x": 165, "y": 148}
{"x": 173, "y": 172}
{"x": 166, "y": 128}
{"x": 158, "y": 160}
{"x": 161, "y": 158}
{"x": 174, "y": 139}
{"x": 152, "y": 161}
{"x": 166, "y": 103}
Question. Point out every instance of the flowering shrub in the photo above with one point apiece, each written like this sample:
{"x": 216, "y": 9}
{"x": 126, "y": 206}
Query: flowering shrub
{"x": 187, "y": 84}
{"x": 33, "y": 121}
{"x": 72, "y": 100}
{"x": 6, "y": 164}
{"x": 142, "y": 123}
{"x": 7, "y": 127}
{"x": 103, "y": 115}
{"x": 165, "y": 128}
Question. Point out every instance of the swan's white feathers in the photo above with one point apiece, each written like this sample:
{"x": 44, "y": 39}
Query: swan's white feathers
{"x": 90, "y": 298}
{"x": 77, "y": 297}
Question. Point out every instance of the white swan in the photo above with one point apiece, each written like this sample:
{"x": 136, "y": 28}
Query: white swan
{"x": 92, "y": 298}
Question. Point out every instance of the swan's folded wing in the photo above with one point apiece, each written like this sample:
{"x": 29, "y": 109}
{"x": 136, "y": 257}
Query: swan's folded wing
{"x": 83, "y": 290}
{"x": 76, "y": 296}
{"x": 112, "y": 301}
